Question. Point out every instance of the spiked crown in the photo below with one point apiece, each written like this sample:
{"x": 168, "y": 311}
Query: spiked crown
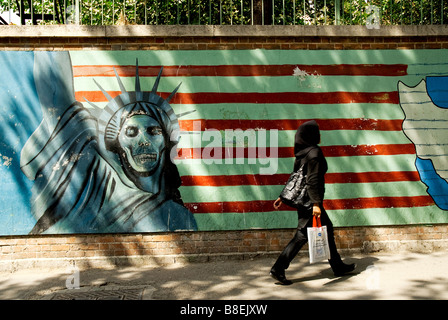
{"x": 109, "y": 118}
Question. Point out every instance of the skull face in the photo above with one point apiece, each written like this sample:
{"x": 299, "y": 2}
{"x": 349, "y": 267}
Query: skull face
{"x": 142, "y": 142}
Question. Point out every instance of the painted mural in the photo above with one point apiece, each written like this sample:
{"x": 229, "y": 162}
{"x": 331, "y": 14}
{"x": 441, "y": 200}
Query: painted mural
{"x": 157, "y": 141}
{"x": 102, "y": 169}
{"x": 426, "y": 125}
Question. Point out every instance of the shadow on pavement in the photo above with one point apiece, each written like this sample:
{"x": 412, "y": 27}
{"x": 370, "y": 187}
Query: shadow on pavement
{"x": 376, "y": 277}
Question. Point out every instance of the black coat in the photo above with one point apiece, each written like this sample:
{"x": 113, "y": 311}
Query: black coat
{"x": 308, "y": 152}
{"x": 315, "y": 181}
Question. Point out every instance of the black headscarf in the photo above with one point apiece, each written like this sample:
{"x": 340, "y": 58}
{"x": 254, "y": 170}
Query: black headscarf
{"x": 306, "y": 140}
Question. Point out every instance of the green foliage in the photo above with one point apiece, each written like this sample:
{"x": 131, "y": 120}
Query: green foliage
{"x": 235, "y": 12}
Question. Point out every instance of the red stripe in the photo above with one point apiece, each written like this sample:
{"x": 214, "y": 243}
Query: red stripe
{"x": 339, "y": 204}
{"x": 379, "y": 202}
{"x": 286, "y": 152}
{"x": 368, "y": 150}
{"x": 261, "y": 97}
{"x": 280, "y": 179}
{"x": 292, "y": 124}
{"x": 393, "y": 70}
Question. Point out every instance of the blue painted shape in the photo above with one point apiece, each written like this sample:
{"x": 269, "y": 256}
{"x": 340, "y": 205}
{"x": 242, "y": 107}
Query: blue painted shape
{"x": 437, "y": 186}
{"x": 437, "y": 88}
{"x": 20, "y": 115}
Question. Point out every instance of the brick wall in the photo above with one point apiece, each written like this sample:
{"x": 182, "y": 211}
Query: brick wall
{"x": 223, "y": 43}
{"x": 113, "y": 249}
{"x": 108, "y": 250}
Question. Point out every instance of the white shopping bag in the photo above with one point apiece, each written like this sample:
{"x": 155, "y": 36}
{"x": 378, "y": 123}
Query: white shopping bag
{"x": 318, "y": 242}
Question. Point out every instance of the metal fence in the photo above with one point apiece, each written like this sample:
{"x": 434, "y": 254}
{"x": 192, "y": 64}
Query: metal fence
{"x": 224, "y": 12}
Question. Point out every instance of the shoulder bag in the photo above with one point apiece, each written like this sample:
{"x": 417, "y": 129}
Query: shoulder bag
{"x": 295, "y": 193}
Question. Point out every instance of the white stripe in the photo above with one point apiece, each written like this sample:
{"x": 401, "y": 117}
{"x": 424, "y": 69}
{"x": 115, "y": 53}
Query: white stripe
{"x": 356, "y": 164}
{"x": 333, "y": 191}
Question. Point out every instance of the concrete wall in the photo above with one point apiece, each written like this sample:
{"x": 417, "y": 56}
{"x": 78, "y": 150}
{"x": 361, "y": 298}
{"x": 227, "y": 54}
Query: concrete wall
{"x": 376, "y": 199}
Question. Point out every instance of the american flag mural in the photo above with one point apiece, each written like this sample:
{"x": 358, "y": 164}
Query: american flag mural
{"x": 382, "y": 115}
{"x": 244, "y": 100}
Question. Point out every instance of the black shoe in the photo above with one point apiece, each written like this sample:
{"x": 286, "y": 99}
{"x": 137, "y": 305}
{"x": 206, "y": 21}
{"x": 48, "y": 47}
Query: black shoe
{"x": 344, "y": 269}
{"x": 280, "y": 277}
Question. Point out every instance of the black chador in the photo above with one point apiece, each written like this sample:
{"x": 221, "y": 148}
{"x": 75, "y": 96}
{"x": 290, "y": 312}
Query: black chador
{"x": 308, "y": 152}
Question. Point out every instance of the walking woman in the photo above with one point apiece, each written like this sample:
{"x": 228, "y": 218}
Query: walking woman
{"x": 308, "y": 152}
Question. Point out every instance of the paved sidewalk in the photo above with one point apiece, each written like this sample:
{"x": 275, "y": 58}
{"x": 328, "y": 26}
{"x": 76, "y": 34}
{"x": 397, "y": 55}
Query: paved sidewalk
{"x": 378, "y": 276}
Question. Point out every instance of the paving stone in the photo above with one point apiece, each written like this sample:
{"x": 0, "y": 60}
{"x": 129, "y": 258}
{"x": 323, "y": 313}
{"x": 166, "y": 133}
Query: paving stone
{"x": 121, "y": 294}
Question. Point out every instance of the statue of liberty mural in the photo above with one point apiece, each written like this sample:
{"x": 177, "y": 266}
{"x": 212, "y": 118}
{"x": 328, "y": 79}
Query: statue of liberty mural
{"x": 105, "y": 169}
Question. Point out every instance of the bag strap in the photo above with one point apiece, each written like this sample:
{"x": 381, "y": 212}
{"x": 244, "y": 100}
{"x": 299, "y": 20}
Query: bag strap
{"x": 316, "y": 222}
{"x": 302, "y": 161}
